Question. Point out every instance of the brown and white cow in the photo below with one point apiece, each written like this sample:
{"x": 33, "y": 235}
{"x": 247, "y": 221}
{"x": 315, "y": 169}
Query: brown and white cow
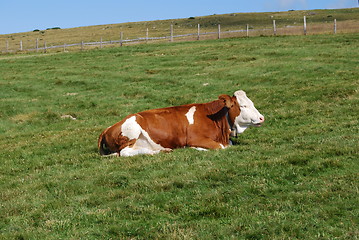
{"x": 201, "y": 126}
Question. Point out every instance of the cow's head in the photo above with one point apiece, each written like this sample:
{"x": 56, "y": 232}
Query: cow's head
{"x": 243, "y": 114}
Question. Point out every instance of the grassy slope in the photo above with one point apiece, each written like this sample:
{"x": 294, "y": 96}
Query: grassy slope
{"x": 209, "y": 23}
{"x": 296, "y": 177}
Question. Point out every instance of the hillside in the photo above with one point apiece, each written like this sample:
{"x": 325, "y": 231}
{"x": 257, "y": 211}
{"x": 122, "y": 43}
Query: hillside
{"x": 288, "y": 23}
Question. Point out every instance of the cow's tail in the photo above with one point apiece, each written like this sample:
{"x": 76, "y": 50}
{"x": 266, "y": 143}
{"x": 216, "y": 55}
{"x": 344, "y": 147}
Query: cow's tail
{"x": 103, "y": 147}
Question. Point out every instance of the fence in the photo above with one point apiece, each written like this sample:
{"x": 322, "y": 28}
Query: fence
{"x": 198, "y": 35}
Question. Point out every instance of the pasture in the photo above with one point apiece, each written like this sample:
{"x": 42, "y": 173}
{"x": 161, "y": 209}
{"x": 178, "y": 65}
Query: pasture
{"x": 296, "y": 177}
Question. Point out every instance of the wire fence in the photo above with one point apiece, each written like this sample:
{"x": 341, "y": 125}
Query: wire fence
{"x": 200, "y": 34}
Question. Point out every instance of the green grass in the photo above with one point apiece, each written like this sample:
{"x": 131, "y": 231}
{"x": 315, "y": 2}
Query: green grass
{"x": 294, "y": 178}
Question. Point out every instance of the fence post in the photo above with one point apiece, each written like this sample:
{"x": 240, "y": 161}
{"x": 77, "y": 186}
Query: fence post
{"x": 219, "y": 31}
{"x": 101, "y": 42}
{"x": 305, "y": 25}
{"x": 198, "y": 30}
{"x": 64, "y": 47}
{"x": 45, "y": 47}
{"x": 171, "y": 38}
{"x": 20, "y": 45}
{"x": 7, "y": 46}
{"x": 82, "y": 45}
{"x": 146, "y": 35}
{"x": 37, "y": 44}
{"x": 335, "y": 26}
{"x": 274, "y": 28}
{"x": 121, "y": 39}
{"x": 247, "y": 30}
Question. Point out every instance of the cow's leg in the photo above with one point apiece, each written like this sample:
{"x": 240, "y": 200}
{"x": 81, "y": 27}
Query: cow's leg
{"x": 128, "y": 151}
{"x": 131, "y": 151}
{"x": 206, "y": 143}
{"x": 112, "y": 155}
{"x": 200, "y": 149}
{"x": 143, "y": 145}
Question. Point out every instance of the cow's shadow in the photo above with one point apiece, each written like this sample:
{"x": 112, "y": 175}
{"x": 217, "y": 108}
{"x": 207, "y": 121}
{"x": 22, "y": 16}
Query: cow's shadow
{"x": 237, "y": 141}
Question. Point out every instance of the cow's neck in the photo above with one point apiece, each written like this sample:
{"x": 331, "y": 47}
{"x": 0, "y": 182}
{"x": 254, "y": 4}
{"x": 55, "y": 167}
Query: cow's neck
{"x": 233, "y": 112}
{"x": 220, "y": 120}
{"x": 232, "y": 128}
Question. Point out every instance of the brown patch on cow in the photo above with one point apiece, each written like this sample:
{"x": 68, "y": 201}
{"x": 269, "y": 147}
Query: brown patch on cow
{"x": 234, "y": 111}
{"x": 214, "y": 107}
{"x": 163, "y": 125}
{"x": 123, "y": 141}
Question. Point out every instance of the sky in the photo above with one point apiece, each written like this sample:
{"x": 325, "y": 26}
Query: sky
{"x": 25, "y": 15}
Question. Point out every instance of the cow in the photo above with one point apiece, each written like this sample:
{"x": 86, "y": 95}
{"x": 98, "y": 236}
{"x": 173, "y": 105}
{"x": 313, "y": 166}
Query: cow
{"x": 202, "y": 126}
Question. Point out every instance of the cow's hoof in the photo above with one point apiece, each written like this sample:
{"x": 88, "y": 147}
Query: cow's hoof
{"x": 167, "y": 150}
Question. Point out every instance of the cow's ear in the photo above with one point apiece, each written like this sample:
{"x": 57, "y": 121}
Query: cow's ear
{"x": 227, "y": 100}
{"x": 219, "y": 107}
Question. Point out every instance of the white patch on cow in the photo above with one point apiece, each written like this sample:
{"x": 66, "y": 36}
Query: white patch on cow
{"x": 223, "y": 147}
{"x": 239, "y": 129}
{"x": 145, "y": 141}
{"x": 129, "y": 152}
{"x": 249, "y": 115}
{"x": 143, "y": 145}
{"x": 200, "y": 149}
{"x": 130, "y": 128}
{"x": 190, "y": 115}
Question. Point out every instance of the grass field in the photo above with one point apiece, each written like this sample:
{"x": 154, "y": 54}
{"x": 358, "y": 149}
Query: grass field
{"x": 288, "y": 23}
{"x": 296, "y": 177}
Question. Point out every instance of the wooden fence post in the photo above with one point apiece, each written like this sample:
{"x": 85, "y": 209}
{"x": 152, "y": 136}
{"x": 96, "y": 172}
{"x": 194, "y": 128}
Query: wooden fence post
{"x": 121, "y": 39}
{"x": 101, "y": 43}
{"x": 82, "y": 45}
{"x": 45, "y": 48}
{"x": 37, "y": 44}
{"x": 64, "y": 47}
{"x": 198, "y": 30}
{"x": 335, "y": 26}
{"x": 219, "y": 31}
{"x": 171, "y": 38}
{"x": 20, "y": 45}
{"x": 305, "y": 25}
{"x": 7, "y": 46}
{"x": 146, "y": 35}
{"x": 247, "y": 30}
{"x": 274, "y": 28}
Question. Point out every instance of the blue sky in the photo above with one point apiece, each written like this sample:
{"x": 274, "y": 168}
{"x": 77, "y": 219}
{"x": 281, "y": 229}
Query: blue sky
{"x": 27, "y": 15}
